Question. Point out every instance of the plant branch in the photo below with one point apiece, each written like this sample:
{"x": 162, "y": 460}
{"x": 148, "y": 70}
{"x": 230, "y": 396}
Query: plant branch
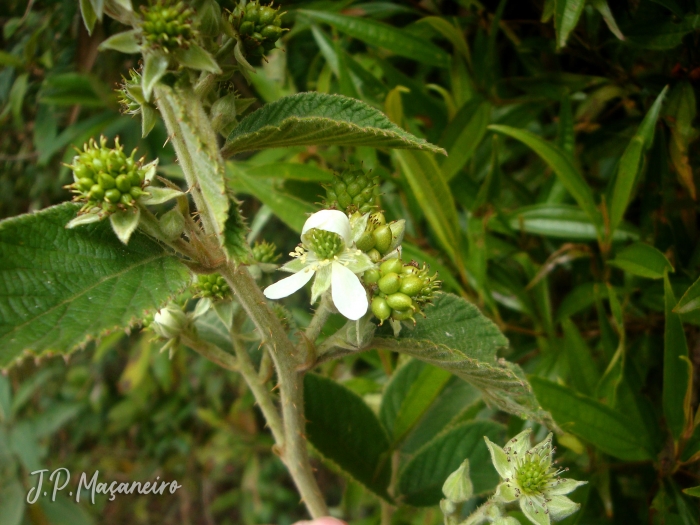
{"x": 324, "y": 310}
{"x": 212, "y": 352}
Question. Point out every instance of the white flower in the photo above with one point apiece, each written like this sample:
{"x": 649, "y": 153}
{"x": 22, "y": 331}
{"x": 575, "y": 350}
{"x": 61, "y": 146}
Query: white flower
{"x": 528, "y": 476}
{"x": 328, "y": 252}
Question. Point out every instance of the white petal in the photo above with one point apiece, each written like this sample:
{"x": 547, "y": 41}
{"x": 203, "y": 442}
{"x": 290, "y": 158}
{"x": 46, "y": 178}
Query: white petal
{"x": 534, "y": 510}
{"x": 330, "y": 220}
{"x": 560, "y": 507}
{"x": 564, "y": 486}
{"x": 288, "y": 285}
{"x": 348, "y": 294}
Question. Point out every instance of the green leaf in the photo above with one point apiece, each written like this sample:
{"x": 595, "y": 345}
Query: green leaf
{"x": 463, "y": 135}
{"x": 560, "y": 162}
{"x": 604, "y": 10}
{"x": 290, "y": 209}
{"x": 155, "y": 65}
{"x": 378, "y": 34}
{"x": 67, "y": 89}
{"x": 420, "y": 481}
{"x": 12, "y": 501}
{"x": 582, "y": 368}
{"x": 693, "y": 491}
{"x": 450, "y": 32}
{"x": 347, "y": 433}
{"x": 65, "y": 511}
{"x": 661, "y": 35}
{"x": 566, "y": 16}
{"x": 600, "y": 425}
{"x": 433, "y": 195}
{"x": 88, "y": 14}
{"x": 676, "y": 365}
{"x": 196, "y": 57}
{"x": 457, "y": 337}
{"x": 59, "y": 288}
{"x": 124, "y": 223}
{"x": 289, "y": 171}
{"x": 690, "y": 300}
{"x": 631, "y": 162}
{"x": 319, "y": 119}
{"x": 642, "y": 260}
{"x": 561, "y": 221}
{"x": 411, "y": 391}
{"x": 125, "y": 42}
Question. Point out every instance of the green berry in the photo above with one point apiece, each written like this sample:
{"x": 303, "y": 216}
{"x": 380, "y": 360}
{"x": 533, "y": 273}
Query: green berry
{"x": 136, "y": 192}
{"x": 247, "y": 28}
{"x": 403, "y": 315}
{"x": 374, "y": 256}
{"x": 85, "y": 183}
{"x": 382, "y": 238}
{"x": 399, "y": 301}
{"x": 390, "y": 283}
{"x": 366, "y": 242}
{"x": 380, "y": 308}
{"x": 392, "y": 265}
{"x": 126, "y": 199}
{"x": 411, "y": 285}
{"x": 371, "y": 276}
{"x": 113, "y": 195}
{"x": 106, "y": 181}
{"x": 96, "y": 193}
{"x": 266, "y": 15}
{"x": 122, "y": 183}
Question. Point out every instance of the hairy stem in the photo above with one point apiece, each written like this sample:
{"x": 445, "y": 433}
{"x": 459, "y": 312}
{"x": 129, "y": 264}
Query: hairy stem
{"x": 210, "y": 351}
{"x": 319, "y": 319}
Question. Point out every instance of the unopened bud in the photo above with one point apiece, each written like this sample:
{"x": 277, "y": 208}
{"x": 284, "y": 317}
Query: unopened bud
{"x": 458, "y": 486}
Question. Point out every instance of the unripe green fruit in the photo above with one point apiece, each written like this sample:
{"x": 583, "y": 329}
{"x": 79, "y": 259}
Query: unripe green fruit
{"x": 266, "y": 15}
{"x": 271, "y": 32}
{"x": 371, "y": 276}
{"x": 126, "y": 199}
{"x": 380, "y": 308}
{"x": 106, "y": 181}
{"x": 378, "y": 218}
{"x": 81, "y": 171}
{"x": 122, "y": 183}
{"x": 392, "y": 265}
{"x": 382, "y": 237}
{"x": 136, "y": 192}
{"x": 172, "y": 223}
{"x": 399, "y": 301}
{"x": 85, "y": 183}
{"x": 247, "y": 28}
{"x": 113, "y": 195}
{"x": 366, "y": 242}
{"x": 390, "y": 283}
{"x": 374, "y": 256}
{"x": 411, "y": 285}
{"x": 96, "y": 193}
{"x": 402, "y": 315}
{"x": 344, "y": 200}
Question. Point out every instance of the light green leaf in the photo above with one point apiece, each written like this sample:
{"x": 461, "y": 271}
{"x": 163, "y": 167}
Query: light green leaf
{"x": 155, "y": 66}
{"x": 60, "y": 288}
{"x": 433, "y": 195}
{"x": 421, "y": 479}
{"x": 631, "y": 162}
{"x": 12, "y": 501}
{"x": 124, "y": 223}
{"x": 290, "y": 171}
{"x": 88, "y": 14}
{"x": 378, "y": 34}
{"x": 195, "y": 57}
{"x": 463, "y": 135}
{"x": 450, "y": 32}
{"x": 566, "y": 16}
{"x": 158, "y": 195}
{"x": 457, "y": 337}
{"x": 343, "y": 429}
{"x": 642, "y": 260}
{"x": 290, "y": 209}
{"x": 690, "y": 300}
{"x": 413, "y": 388}
{"x": 125, "y": 42}
{"x": 604, "y": 10}
{"x": 593, "y": 421}
{"x": 676, "y": 365}
{"x": 561, "y": 221}
{"x": 319, "y": 119}
{"x": 693, "y": 491}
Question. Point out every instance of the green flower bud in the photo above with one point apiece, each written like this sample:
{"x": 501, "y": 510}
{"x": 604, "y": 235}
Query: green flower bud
{"x": 377, "y": 218}
{"x": 399, "y": 301}
{"x": 172, "y": 223}
{"x": 247, "y": 28}
{"x": 353, "y": 187}
{"x": 167, "y": 26}
{"x": 96, "y": 193}
{"x": 106, "y": 181}
{"x": 391, "y": 265}
{"x": 169, "y": 322}
{"x": 380, "y": 308}
{"x": 390, "y": 284}
{"x": 126, "y": 199}
{"x": 266, "y": 15}
{"x": 371, "y": 276}
{"x": 458, "y": 486}
{"x": 85, "y": 183}
{"x": 123, "y": 184}
{"x": 265, "y": 252}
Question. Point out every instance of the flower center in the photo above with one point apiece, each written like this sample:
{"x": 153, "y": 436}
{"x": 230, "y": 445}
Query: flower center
{"x": 323, "y": 243}
{"x": 533, "y": 474}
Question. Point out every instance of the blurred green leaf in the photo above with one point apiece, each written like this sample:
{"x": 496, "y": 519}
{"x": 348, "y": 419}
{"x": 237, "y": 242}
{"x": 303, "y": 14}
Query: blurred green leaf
{"x": 421, "y": 479}
{"x": 463, "y": 135}
{"x": 589, "y": 419}
{"x": 690, "y": 300}
{"x": 661, "y": 35}
{"x": 344, "y": 430}
{"x": 604, "y": 10}
{"x": 315, "y": 118}
{"x": 12, "y": 502}
{"x": 676, "y": 366}
{"x": 85, "y": 269}
{"x": 582, "y": 368}
{"x": 566, "y": 16}
{"x": 693, "y": 491}
{"x": 382, "y": 35}
{"x": 642, "y": 260}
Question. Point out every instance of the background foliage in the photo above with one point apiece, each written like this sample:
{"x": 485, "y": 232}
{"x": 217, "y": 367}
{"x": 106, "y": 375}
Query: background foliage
{"x": 566, "y": 209}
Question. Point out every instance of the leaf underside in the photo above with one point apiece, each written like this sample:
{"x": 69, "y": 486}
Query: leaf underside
{"x": 59, "y": 288}
{"x": 319, "y": 119}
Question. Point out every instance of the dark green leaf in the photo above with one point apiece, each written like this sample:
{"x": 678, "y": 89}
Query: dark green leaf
{"x": 382, "y": 35}
{"x": 642, "y": 260}
{"x": 60, "y": 288}
{"x": 566, "y": 16}
{"x": 420, "y": 481}
{"x": 676, "y": 369}
{"x": 463, "y": 136}
{"x": 690, "y": 300}
{"x": 582, "y": 368}
{"x": 347, "y": 433}
{"x": 319, "y": 119}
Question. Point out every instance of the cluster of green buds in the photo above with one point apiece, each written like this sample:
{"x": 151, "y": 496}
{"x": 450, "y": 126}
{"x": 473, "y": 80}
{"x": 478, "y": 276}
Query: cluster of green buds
{"x": 379, "y": 238}
{"x": 259, "y": 26}
{"x": 213, "y": 286}
{"x": 400, "y": 290}
{"x": 265, "y": 252}
{"x": 167, "y": 26}
{"x": 353, "y": 190}
{"x": 106, "y": 179}
{"x": 133, "y": 102}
